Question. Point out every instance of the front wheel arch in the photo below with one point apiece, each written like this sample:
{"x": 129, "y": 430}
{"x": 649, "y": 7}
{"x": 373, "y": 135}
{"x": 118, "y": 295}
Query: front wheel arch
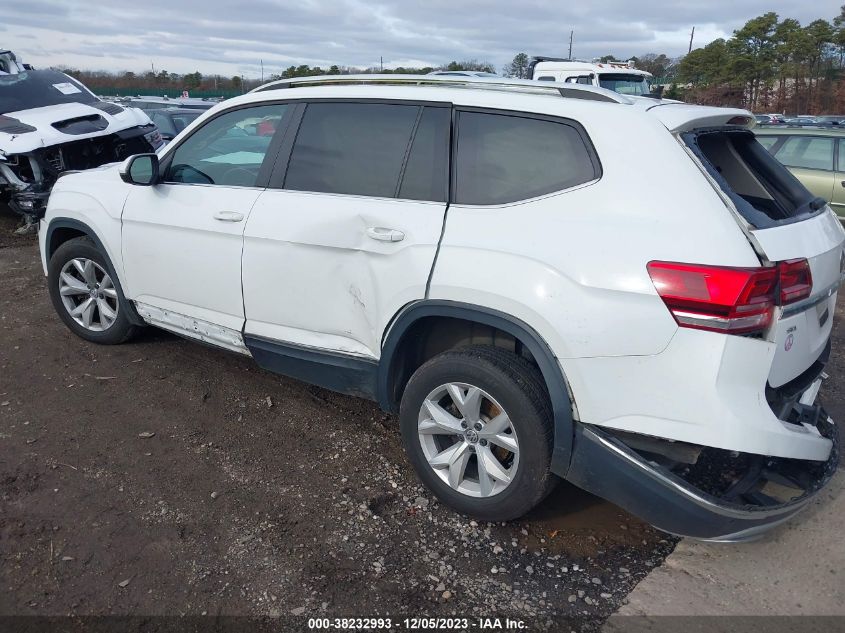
{"x": 60, "y": 230}
{"x": 389, "y": 387}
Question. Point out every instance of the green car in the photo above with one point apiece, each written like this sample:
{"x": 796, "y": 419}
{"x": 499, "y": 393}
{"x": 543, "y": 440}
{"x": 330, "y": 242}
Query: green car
{"x": 815, "y": 155}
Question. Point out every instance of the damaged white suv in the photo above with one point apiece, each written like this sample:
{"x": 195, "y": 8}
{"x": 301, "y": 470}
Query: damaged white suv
{"x": 489, "y": 259}
{"x": 49, "y": 124}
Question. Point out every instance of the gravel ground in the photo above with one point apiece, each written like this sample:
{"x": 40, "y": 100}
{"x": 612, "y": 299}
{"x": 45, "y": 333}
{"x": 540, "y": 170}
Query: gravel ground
{"x": 166, "y": 478}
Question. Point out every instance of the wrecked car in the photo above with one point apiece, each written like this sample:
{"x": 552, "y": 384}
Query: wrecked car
{"x": 475, "y": 255}
{"x": 49, "y": 124}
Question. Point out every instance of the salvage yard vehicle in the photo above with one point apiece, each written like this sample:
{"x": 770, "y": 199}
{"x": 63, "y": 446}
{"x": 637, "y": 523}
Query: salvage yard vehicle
{"x": 171, "y": 121}
{"x": 619, "y": 77}
{"x": 50, "y": 124}
{"x": 467, "y": 252}
{"x": 815, "y": 155}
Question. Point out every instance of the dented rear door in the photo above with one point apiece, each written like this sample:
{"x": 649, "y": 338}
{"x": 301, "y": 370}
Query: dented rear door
{"x": 349, "y": 233}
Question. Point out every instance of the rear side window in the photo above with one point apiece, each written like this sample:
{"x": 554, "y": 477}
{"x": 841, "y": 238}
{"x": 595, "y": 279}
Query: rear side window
{"x": 763, "y": 190}
{"x": 808, "y": 152}
{"x": 503, "y": 158}
{"x": 351, "y": 148}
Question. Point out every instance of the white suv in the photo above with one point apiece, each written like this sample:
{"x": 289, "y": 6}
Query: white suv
{"x": 545, "y": 281}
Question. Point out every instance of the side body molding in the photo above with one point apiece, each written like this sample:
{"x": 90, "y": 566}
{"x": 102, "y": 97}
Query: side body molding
{"x": 549, "y": 367}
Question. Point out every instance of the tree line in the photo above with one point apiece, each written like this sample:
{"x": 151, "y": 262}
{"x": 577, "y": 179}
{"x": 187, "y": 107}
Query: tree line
{"x": 155, "y": 82}
{"x": 769, "y": 64}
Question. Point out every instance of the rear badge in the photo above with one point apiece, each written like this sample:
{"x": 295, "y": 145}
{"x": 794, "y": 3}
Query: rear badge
{"x": 787, "y": 345}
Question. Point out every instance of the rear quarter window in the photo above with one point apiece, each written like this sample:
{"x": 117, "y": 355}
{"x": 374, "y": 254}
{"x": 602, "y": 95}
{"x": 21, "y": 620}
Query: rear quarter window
{"x": 503, "y": 158}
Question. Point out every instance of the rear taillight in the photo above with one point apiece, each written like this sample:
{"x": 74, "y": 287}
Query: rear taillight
{"x": 716, "y": 298}
{"x": 796, "y": 282}
{"x": 731, "y": 300}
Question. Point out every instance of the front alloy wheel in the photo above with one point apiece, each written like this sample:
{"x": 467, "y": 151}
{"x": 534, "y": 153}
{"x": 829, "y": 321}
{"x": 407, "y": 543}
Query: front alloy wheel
{"x": 88, "y": 294}
{"x": 468, "y": 440}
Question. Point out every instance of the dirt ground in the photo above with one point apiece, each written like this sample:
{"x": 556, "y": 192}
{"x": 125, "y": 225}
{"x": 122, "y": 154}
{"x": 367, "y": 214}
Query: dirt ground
{"x": 162, "y": 477}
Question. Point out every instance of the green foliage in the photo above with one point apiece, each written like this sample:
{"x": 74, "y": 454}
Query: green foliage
{"x": 518, "y": 68}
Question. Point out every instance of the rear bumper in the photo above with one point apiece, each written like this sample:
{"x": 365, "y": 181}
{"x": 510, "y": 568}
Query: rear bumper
{"x": 604, "y": 465}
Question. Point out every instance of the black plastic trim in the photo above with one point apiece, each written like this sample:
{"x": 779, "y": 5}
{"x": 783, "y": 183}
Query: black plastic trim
{"x": 549, "y": 367}
{"x": 68, "y": 223}
{"x": 604, "y": 466}
{"x": 343, "y": 373}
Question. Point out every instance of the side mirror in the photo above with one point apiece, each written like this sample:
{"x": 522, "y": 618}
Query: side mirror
{"x": 141, "y": 169}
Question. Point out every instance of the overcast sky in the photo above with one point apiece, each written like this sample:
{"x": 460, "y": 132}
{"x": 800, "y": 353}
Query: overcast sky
{"x": 228, "y": 37}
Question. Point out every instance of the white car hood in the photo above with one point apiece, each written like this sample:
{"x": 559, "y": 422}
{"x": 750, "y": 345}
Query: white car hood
{"x": 45, "y": 134}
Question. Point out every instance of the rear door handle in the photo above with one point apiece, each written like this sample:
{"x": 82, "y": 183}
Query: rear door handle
{"x": 228, "y": 216}
{"x": 383, "y": 234}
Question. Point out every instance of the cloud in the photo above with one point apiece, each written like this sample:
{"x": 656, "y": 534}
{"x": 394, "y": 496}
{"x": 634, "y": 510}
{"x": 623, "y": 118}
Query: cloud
{"x": 218, "y": 36}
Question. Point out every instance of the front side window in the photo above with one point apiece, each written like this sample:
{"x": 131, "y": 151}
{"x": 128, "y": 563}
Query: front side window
{"x": 351, "y": 148}
{"x": 228, "y": 150}
{"x": 808, "y": 152}
{"x": 504, "y": 158}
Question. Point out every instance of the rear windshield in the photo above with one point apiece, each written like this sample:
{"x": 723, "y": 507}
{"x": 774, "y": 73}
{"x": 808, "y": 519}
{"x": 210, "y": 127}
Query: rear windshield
{"x": 39, "y": 88}
{"x": 764, "y": 191}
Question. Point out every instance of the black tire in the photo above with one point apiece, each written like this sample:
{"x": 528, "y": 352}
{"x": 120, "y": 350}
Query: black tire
{"x": 122, "y": 329}
{"x": 518, "y": 387}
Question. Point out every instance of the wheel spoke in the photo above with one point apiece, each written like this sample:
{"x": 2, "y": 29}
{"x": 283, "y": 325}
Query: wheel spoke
{"x": 111, "y": 293}
{"x": 488, "y": 463}
{"x": 446, "y": 457}
{"x": 84, "y": 311}
{"x": 89, "y": 272}
{"x": 107, "y": 315}
{"x": 508, "y": 442}
{"x": 441, "y": 423}
{"x": 469, "y": 403}
{"x": 72, "y": 286}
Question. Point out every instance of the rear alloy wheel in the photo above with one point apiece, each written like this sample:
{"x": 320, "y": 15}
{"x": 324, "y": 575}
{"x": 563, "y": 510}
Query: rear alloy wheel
{"x": 477, "y": 427}
{"x": 86, "y": 295}
{"x": 468, "y": 440}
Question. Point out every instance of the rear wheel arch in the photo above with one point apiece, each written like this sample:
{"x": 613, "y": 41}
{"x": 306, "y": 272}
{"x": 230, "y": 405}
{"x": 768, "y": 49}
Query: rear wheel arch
{"x": 408, "y": 344}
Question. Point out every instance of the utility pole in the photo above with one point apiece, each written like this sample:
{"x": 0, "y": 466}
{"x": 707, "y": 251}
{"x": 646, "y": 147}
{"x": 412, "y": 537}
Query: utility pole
{"x": 571, "y": 33}
{"x": 262, "y": 70}
{"x": 381, "y": 63}
{"x": 691, "y": 35}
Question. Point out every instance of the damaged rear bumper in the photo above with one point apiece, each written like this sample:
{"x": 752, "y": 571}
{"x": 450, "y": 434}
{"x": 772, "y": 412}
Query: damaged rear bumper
{"x": 607, "y": 466}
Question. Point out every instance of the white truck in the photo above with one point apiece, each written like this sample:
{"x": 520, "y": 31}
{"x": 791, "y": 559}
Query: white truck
{"x": 620, "y": 77}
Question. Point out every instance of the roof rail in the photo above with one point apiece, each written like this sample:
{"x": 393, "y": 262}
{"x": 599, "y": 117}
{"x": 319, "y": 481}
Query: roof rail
{"x": 570, "y": 91}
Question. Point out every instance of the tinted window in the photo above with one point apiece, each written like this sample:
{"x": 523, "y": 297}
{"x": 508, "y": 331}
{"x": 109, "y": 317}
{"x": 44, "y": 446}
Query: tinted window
{"x": 508, "y": 158}
{"x": 425, "y": 173}
{"x": 625, "y": 84}
{"x": 228, "y": 150}
{"x": 351, "y": 148}
{"x": 767, "y": 141}
{"x": 807, "y": 151}
{"x": 545, "y": 78}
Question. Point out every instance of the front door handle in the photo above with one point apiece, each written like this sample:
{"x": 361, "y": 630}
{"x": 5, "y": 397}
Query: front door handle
{"x": 383, "y": 234}
{"x": 228, "y": 216}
